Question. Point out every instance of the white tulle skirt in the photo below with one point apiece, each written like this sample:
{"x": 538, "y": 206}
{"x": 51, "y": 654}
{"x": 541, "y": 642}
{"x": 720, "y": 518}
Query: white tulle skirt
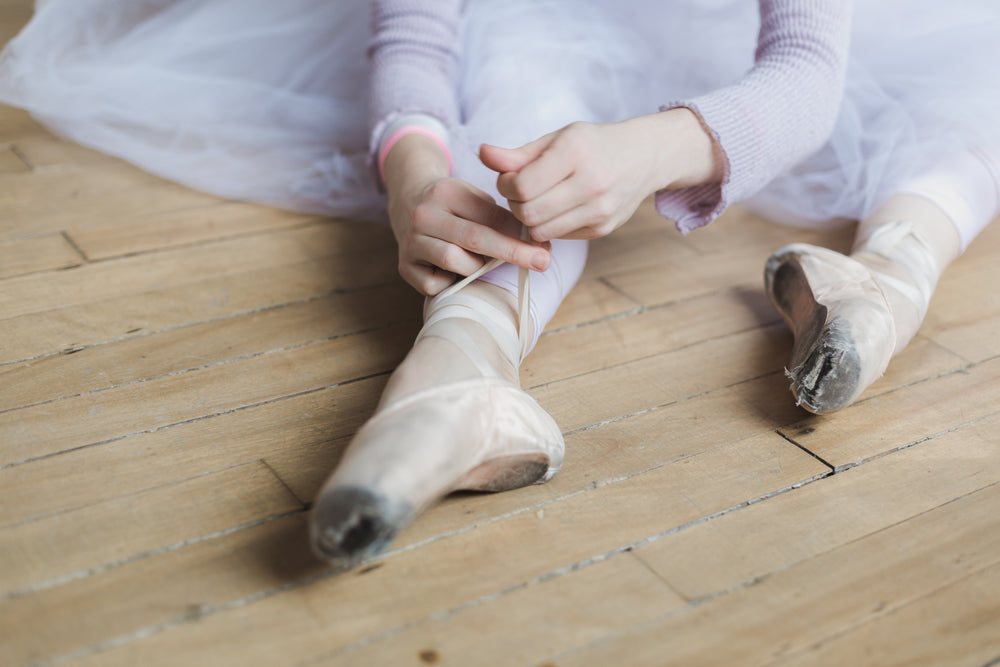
{"x": 267, "y": 100}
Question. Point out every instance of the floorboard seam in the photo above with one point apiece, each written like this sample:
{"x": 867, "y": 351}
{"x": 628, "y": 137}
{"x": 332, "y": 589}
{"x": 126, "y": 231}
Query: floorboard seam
{"x": 879, "y": 455}
{"x": 67, "y": 577}
{"x": 211, "y": 320}
{"x": 808, "y": 451}
{"x": 76, "y": 248}
{"x": 696, "y": 602}
{"x": 194, "y": 369}
{"x": 573, "y": 567}
{"x": 213, "y": 415}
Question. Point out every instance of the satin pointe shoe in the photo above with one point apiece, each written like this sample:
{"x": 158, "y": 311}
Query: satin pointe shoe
{"x": 480, "y": 434}
{"x": 840, "y": 318}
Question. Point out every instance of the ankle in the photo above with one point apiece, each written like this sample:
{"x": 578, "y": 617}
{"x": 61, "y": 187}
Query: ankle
{"x": 453, "y": 348}
{"x": 906, "y": 267}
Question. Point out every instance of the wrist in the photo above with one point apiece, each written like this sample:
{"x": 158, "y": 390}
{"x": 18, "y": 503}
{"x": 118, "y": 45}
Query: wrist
{"x": 412, "y": 163}
{"x": 684, "y": 152}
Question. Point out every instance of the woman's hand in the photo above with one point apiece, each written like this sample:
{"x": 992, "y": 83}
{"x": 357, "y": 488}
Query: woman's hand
{"x": 444, "y": 226}
{"x": 586, "y": 180}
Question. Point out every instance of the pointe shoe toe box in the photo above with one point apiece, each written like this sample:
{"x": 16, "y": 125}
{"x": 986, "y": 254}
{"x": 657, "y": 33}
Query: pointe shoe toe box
{"x": 843, "y": 327}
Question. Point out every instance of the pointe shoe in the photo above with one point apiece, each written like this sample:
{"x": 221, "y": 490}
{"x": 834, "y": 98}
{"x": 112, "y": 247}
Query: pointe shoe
{"x": 497, "y": 438}
{"x": 381, "y": 486}
{"x": 842, "y": 323}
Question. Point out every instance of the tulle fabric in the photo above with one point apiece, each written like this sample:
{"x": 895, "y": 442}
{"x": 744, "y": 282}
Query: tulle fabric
{"x": 250, "y": 99}
{"x": 268, "y": 101}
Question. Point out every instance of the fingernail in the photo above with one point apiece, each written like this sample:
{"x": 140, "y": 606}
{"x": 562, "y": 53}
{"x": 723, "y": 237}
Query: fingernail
{"x": 540, "y": 261}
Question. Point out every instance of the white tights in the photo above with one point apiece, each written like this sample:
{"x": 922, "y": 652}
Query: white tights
{"x": 965, "y": 185}
{"x": 549, "y": 288}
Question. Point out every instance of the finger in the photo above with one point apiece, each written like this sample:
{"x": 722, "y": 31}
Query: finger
{"x": 588, "y": 221}
{"x": 428, "y": 280}
{"x": 512, "y": 159}
{"x": 548, "y": 206}
{"x": 552, "y": 167}
{"x": 473, "y": 222}
{"x": 444, "y": 255}
{"x": 487, "y": 241}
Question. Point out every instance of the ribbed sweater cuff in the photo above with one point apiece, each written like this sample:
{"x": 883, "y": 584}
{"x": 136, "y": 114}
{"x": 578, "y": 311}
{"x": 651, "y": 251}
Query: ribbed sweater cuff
{"x": 696, "y": 206}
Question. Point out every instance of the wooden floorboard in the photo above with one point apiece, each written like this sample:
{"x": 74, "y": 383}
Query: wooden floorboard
{"x": 179, "y": 373}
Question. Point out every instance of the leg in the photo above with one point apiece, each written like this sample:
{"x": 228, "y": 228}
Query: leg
{"x": 851, "y": 314}
{"x": 452, "y": 417}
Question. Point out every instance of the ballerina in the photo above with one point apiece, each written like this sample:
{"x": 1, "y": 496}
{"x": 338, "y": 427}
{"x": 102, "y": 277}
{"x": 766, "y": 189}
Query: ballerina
{"x": 827, "y": 111}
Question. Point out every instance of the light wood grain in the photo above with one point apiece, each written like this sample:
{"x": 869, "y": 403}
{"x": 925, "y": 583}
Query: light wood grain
{"x": 586, "y": 349}
{"x": 174, "y": 268}
{"x": 70, "y": 327}
{"x": 129, "y": 236}
{"x": 43, "y": 553}
{"x": 44, "y": 150}
{"x": 905, "y": 416}
{"x": 179, "y": 373}
{"x": 777, "y": 534}
{"x": 537, "y": 545}
{"x": 11, "y": 162}
{"x": 956, "y": 624}
{"x": 136, "y": 197}
{"x": 769, "y": 537}
{"x": 528, "y": 625}
{"x": 312, "y": 420}
{"x": 44, "y": 186}
{"x": 589, "y": 301}
{"x": 823, "y": 596}
{"x": 963, "y": 320}
{"x": 172, "y": 586}
{"x": 86, "y": 419}
{"x": 144, "y": 357}
{"x": 17, "y": 123}
{"x": 45, "y": 253}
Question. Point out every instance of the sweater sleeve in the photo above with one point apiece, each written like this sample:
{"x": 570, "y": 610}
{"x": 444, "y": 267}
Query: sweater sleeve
{"x": 414, "y": 59}
{"x": 783, "y": 109}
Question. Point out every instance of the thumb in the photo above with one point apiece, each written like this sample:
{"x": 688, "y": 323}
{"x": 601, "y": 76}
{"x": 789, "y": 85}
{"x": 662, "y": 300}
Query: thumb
{"x": 512, "y": 159}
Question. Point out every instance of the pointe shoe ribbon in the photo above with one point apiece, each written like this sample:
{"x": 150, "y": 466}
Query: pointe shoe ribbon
{"x": 499, "y": 438}
{"x": 523, "y": 296}
{"x": 518, "y": 408}
{"x": 897, "y": 242}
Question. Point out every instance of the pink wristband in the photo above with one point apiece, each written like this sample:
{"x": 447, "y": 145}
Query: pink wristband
{"x": 402, "y": 132}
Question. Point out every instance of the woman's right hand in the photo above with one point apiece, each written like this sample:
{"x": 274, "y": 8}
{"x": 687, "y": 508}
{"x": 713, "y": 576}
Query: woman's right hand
{"x": 444, "y": 226}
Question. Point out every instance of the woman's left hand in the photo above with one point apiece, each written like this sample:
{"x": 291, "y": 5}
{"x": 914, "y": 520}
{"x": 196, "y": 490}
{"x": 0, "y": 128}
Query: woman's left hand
{"x": 586, "y": 180}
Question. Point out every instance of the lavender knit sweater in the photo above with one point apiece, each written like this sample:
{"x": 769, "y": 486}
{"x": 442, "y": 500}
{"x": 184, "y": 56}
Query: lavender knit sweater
{"x": 783, "y": 109}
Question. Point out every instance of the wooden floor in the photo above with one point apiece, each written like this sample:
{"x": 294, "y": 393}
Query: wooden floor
{"x": 179, "y": 373}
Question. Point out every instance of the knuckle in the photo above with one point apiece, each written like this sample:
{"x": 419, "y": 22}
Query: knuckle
{"x": 451, "y": 257}
{"x": 421, "y": 218}
{"x": 576, "y": 135}
{"x": 471, "y": 240}
{"x": 529, "y": 215}
{"x": 439, "y": 189}
{"x": 604, "y": 228}
{"x": 426, "y": 287}
{"x": 604, "y": 208}
{"x": 518, "y": 189}
{"x": 425, "y": 282}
